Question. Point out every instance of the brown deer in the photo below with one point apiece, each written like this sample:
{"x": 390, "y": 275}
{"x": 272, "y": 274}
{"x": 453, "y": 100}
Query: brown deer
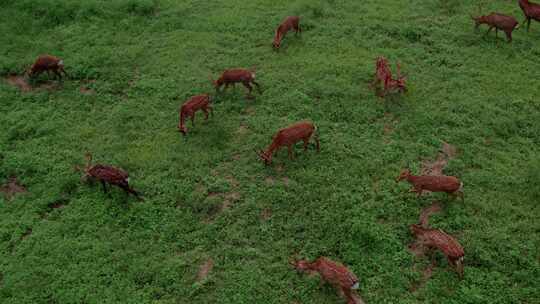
{"x": 233, "y": 76}
{"x": 191, "y": 106}
{"x": 498, "y": 21}
{"x": 434, "y": 183}
{"x": 301, "y": 131}
{"x": 334, "y": 273}
{"x": 530, "y": 10}
{"x": 108, "y": 175}
{"x": 290, "y": 23}
{"x": 438, "y": 239}
{"x": 383, "y": 76}
{"x": 47, "y": 63}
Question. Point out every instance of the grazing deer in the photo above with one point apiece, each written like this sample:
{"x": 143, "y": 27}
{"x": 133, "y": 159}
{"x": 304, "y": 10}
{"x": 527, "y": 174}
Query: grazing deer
{"x": 233, "y": 76}
{"x": 47, "y": 63}
{"x": 191, "y": 106}
{"x": 334, "y": 273}
{"x": 383, "y": 76}
{"x": 498, "y": 21}
{"x": 433, "y": 183}
{"x": 530, "y": 10}
{"x": 301, "y": 131}
{"x": 438, "y": 239}
{"x": 108, "y": 175}
{"x": 290, "y": 23}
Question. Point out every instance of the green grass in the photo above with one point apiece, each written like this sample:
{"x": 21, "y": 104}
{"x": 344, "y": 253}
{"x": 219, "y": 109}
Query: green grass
{"x": 148, "y": 56}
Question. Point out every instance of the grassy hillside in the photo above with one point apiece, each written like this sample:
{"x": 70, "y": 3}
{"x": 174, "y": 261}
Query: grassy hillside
{"x": 207, "y": 196}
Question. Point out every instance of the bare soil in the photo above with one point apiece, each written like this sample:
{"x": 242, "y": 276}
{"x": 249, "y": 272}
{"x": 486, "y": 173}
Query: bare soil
{"x": 22, "y": 84}
{"x": 205, "y": 269}
{"x": 11, "y": 188}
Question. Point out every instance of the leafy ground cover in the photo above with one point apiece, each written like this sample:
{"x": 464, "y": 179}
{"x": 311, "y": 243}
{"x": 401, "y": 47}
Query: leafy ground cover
{"x": 217, "y": 226}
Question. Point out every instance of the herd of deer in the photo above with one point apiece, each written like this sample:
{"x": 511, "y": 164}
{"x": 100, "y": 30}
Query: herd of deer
{"x": 332, "y": 272}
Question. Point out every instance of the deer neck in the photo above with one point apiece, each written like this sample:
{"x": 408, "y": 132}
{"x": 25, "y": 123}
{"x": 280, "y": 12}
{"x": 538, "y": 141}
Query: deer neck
{"x": 411, "y": 178}
{"x": 270, "y": 150}
{"x": 182, "y": 118}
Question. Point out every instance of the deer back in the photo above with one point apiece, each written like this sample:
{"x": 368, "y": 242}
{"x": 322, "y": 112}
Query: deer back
{"x": 335, "y": 273}
{"x": 440, "y": 183}
{"x": 444, "y": 242}
{"x": 109, "y": 174}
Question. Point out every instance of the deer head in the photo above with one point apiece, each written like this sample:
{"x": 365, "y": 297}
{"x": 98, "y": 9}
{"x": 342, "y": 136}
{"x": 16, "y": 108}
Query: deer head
{"x": 403, "y": 175}
{"x": 264, "y": 156}
{"x": 277, "y": 39}
{"x": 416, "y": 229}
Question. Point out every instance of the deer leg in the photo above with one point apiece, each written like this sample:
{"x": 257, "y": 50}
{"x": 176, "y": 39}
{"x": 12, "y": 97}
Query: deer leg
{"x": 129, "y": 190}
{"x": 509, "y": 36}
{"x": 193, "y": 119}
{"x": 489, "y": 30}
{"x": 205, "y": 110}
{"x": 248, "y": 86}
{"x": 348, "y": 295}
{"x": 211, "y": 110}
{"x": 528, "y": 24}
{"x": 104, "y": 186}
{"x": 257, "y": 85}
{"x": 58, "y": 74}
{"x": 306, "y": 142}
{"x": 291, "y": 154}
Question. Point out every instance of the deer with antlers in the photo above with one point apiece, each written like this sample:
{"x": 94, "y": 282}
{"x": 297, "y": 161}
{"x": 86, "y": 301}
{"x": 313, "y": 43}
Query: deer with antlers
{"x": 108, "y": 175}
{"x": 530, "y": 10}
{"x": 290, "y": 23}
{"x": 383, "y": 77}
{"x": 334, "y": 273}
{"x": 301, "y": 131}
{"x": 233, "y": 76}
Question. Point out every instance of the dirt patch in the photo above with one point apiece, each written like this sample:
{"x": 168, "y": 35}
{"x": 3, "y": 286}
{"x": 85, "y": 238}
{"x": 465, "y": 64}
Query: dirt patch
{"x": 22, "y": 84}
{"x": 436, "y": 167}
{"x": 388, "y": 127}
{"x": 285, "y": 181}
{"x": 204, "y": 270}
{"x": 269, "y": 180}
{"x": 86, "y": 90}
{"x": 266, "y": 214}
{"x": 249, "y": 110}
{"x": 237, "y": 156}
{"x": 11, "y": 188}
{"x": 435, "y": 207}
{"x": 242, "y": 130}
{"x": 19, "y": 82}
{"x": 57, "y": 205}
{"x": 26, "y": 234}
{"x": 427, "y": 273}
{"x": 229, "y": 198}
{"x": 416, "y": 249}
{"x": 232, "y": 181}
